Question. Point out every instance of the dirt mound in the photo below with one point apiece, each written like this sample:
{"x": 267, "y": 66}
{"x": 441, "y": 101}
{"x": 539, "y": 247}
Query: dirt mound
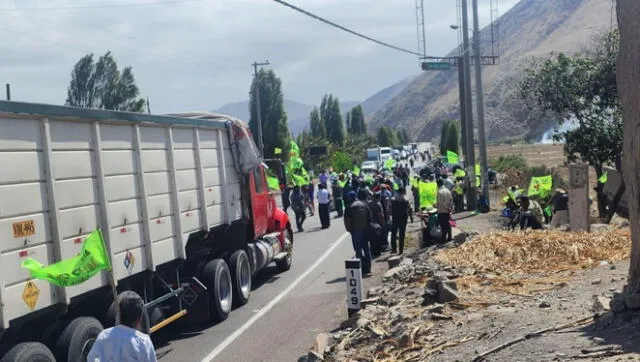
{"x": 538, "y": 251}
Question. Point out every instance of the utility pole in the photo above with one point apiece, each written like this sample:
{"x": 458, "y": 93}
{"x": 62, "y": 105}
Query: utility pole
{"x": 258, "y": 109}
{"x": 469, "y": 144}
{"x": 8, "y": 91}
{"x": 463, "y": 110}
{"x": 482, "y": 141}
{"x": 148, "y": 106}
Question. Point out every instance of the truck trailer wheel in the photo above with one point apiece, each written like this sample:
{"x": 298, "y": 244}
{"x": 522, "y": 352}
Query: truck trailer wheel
{"x": 217, "y": 278}
{"x": 285, "y": 264}
{"x": 240, "y": 277}
{"x": 76, "y": 340}
{"x": 29, "y": 352}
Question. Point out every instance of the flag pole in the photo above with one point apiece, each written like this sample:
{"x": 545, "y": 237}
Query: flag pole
{"x": 112, "y": 282}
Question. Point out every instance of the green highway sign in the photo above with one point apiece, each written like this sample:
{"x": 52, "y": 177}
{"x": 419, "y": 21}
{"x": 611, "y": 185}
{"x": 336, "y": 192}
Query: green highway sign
{"x": 436, "y": 66}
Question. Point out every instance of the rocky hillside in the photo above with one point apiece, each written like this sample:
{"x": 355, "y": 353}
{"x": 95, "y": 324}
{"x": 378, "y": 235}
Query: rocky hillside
{"x": 532, "y": 28}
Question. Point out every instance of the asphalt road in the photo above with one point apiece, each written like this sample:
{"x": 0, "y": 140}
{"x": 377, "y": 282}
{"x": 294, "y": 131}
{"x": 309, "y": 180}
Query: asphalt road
{"x": 285, "y": 311}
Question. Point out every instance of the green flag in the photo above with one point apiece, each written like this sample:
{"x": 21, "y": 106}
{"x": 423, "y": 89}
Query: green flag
{"x": 603, "y": 179}
{"x": 356, "y": 171}
{"x": 459, "y": 173}
{"x": 427, "y": 191}
{"x": 390, "y": 163}
{"x": 76, "y": 270}
{"x": 277, "y": 151}
{"x": 540, "y": 186}
{"x": 477, "y": 170}
{"x": 452, "y": 157}
{"x": 273, "y": 183}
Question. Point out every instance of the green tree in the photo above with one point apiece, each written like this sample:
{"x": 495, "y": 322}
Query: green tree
{"x": 403, "y": 136}
{"x": 102, "y": 85}
{"x": 347, "y": 122}
{"x": 332, "y": 116}
{"x": 453, "y": 137}
{"x": 582, "y": 88}
{"x": 275, "y": 130}
{"x": 341, "y": 162}
{"x": 317, "y": 125}
{"x": 357, "y": 124}
{"x": 444, "y": 137}
{"x": 385, "y": 137}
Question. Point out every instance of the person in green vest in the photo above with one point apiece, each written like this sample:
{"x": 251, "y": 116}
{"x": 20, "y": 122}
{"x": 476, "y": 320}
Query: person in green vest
{"x": 458, "y": 196}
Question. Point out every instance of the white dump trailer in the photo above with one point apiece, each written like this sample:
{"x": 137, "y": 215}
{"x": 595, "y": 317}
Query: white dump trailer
{"x": 181, "y": 200}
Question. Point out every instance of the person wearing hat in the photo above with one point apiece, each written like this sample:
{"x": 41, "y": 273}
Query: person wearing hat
{"x": 560, "y": 201}
{"x": 531, "y": 214}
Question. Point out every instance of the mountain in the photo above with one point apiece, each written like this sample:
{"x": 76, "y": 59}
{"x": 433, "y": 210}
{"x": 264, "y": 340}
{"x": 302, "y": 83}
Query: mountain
{"x": 298, "y": 113}
{"x": 373, "y": 103}
{"x": 532, "y": 28}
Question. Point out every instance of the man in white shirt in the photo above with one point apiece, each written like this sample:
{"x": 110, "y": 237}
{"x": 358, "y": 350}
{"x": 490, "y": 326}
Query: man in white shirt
{"x": 324, "y": 198}
{"x": 124, "y": 342}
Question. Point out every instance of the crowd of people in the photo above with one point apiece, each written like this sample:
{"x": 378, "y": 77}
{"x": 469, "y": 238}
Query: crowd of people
{"x": 375, "y": 208}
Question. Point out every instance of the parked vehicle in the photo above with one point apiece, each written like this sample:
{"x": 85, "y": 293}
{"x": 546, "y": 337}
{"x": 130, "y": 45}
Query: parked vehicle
{"x": 373, "y": 154}
{"x": 181, "y": 200}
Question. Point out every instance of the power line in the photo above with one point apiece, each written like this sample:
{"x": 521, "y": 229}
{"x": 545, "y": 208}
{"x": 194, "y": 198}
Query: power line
{"x": 379, "y": 42}
{"x": 103, "y": 6}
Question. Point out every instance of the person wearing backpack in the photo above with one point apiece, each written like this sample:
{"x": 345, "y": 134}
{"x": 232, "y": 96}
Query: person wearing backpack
{"x": 356, "y": 220}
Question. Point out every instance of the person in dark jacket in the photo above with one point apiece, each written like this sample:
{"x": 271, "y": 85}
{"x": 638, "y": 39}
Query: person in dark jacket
{"x": 356, "y": 220}
{"x": 377, "y": 214}
{"x": 286, "y": 197}
{"x": 336, "y": 192}
{"x": 400, "y": 214}
{"x": 298, "y": 206}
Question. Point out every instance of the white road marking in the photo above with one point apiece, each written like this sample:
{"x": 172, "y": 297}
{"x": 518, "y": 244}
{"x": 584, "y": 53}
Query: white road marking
{"x": 273, "y": 302}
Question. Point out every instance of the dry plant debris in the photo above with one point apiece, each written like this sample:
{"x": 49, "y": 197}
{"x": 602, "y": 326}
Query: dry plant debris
{"x": 538, "y": 251}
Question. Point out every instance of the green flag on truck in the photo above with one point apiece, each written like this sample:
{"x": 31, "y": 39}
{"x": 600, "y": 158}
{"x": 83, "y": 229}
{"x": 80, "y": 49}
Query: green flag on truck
{"x": 452, "y": 157}
{"x": 76, "y": 270}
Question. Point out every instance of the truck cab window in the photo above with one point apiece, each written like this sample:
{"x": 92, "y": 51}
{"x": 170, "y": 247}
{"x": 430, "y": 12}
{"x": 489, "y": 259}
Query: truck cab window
{"x": 257, "y": 178}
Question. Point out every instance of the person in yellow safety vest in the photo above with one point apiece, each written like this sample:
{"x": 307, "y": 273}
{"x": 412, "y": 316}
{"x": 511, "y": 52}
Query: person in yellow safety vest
{"x": 458, "y": 196}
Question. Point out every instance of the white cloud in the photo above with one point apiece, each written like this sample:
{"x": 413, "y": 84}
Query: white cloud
{"x": 197, "y": 55}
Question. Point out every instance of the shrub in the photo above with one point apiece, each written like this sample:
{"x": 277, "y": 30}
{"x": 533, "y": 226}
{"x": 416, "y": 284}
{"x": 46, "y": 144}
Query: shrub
{"x": 509, "y": 162}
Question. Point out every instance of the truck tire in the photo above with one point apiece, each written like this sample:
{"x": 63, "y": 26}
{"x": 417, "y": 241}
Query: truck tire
{"x": 285, "y": 264}
{"x": 29, "y": 352}
{"x": 240, "y": 277}
{"x": 77, "y": 338}
{"x": 217, "y": 278}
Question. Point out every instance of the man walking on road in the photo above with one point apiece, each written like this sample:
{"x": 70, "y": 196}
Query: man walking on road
{"x": 336, "y": 192}
{"x": 323, "y": 206}
{"x": 444, "y": 204}
{"x": 356, "y": 220}
{"x": 400, "y": 213}
{"x": 298, "y": 206}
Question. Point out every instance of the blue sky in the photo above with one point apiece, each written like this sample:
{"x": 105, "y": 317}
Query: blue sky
{"x": 197, "y": 54}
